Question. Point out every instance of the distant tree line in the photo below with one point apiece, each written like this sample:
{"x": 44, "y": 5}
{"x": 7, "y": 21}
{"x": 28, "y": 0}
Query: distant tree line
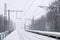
{"x": 39, "y": 24}
{"x": 6, "y": 25}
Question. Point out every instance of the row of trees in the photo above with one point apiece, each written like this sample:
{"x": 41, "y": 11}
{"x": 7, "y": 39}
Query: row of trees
{"x": 51, "y": 21}
{"x": 6, "y": 25}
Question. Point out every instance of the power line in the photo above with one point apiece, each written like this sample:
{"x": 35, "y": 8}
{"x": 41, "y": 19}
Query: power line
{"x": 31, "y": 4}
{"x": 29, "y": 7}
{"x": 25, "y": 4}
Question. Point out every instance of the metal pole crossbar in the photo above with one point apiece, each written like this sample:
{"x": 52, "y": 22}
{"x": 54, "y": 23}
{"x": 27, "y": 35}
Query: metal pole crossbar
{"x": 47, "y": 7}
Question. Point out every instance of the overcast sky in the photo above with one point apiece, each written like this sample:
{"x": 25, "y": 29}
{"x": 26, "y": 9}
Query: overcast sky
{"x": 30, "y": 8}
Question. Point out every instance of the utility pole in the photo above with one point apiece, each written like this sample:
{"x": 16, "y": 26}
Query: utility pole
{"x": 8, "y": 18}
{"x": 5, "y": 16}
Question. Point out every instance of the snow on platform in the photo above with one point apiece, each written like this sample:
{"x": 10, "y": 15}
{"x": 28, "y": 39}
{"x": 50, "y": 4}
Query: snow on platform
{"x": 23, "y": 35}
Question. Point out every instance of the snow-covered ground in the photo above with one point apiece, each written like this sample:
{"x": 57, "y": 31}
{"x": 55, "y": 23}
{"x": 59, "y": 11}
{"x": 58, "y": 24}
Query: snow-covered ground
{"x": 23, "y": 35}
